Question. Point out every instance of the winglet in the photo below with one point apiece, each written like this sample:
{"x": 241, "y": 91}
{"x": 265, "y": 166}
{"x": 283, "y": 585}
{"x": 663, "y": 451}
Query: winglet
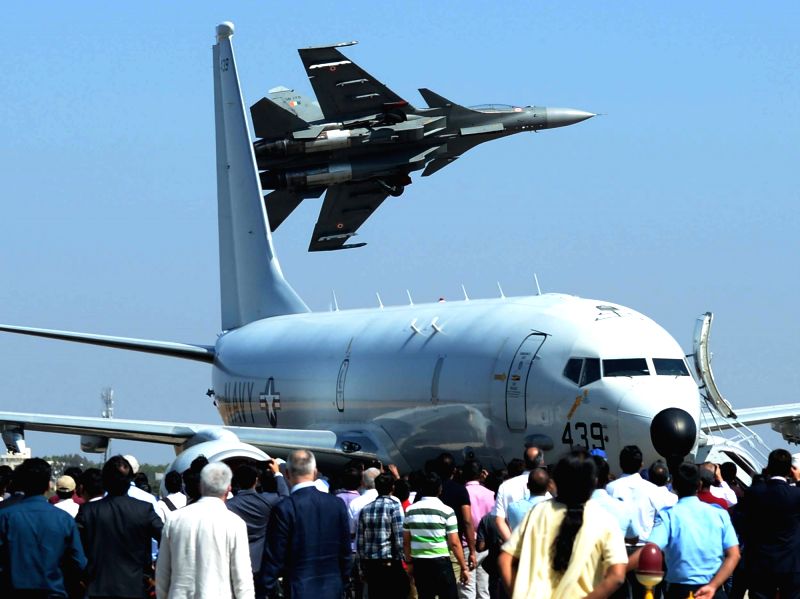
{"x": 251, "y": 281}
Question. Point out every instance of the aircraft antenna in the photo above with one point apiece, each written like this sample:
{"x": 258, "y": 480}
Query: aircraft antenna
{"x": 410, "y": 301}
{"x": 380, "y": 303}
{"x": 502, "y": 295}
{"x": 107, "y": 399}
{"x": 334, "y": 300}
{"x": 464, "y": 289}
{"x": 536, "y": 280}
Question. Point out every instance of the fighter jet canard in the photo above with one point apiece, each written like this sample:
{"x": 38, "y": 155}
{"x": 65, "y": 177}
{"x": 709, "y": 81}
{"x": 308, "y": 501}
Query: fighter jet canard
{"x": 361, "y": 141}
{"x": 402, "y": 383}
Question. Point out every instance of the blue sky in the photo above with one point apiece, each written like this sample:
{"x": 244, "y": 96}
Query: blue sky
{"x": 682, "y": 198}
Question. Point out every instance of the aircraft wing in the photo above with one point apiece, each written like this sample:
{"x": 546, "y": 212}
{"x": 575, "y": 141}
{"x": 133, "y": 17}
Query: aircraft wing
{"x": 344, "y": 210}
{"x": 449, "y": 154}
{"x": 344, "y": 89}
{"x": 271, "y": 440}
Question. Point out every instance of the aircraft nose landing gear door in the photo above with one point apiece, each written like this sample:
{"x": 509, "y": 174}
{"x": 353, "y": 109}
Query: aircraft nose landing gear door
{"x": 517, "y": 381}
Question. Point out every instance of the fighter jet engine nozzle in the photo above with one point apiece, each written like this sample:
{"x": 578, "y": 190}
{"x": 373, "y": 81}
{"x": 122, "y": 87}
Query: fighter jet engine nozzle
{"x": 673, "y": 432}
{"x": 324, "y": 176}
{"x": 327, "y": 141}
{"x": 561, "y": 117}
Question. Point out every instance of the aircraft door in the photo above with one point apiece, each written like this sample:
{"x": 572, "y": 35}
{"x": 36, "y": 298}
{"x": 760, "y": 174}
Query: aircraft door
{"x": 517, "y": 381}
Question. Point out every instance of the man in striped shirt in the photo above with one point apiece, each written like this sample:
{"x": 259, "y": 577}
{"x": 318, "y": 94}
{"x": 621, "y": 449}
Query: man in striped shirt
{"x": 429, "y": 528}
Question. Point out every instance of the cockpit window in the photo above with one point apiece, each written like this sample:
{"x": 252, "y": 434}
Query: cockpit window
{"x": 582, "y": 371}
{"x": 670, "y": 366}
{"x": 626, "y": 367}
{"x": 573, "y": 370}
{"x": 493, "y": 107}
{"x": 591, "y": 371}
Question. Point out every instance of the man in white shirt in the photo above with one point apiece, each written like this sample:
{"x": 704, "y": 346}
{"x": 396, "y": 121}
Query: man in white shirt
{"x": 174, "y": 499}
{"x": 720, "y": 489}
{"x": 204, "y": 548}
{"x": 658, "y": 474}
{"x": 65, "y": 487}
{"x": 135, "y": 491}
{"x": 640, "y": 496}
{"x": 368, "y": 496}
{"x": 515, "y": 489}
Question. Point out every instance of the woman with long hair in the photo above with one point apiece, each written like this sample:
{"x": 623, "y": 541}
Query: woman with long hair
{"x": 568, "y": 546}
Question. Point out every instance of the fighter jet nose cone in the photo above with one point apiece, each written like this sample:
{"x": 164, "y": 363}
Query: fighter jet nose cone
{"x": 673, "y": 432}
{"x": 561, "y": 117}
{"x": 224, "y": 30}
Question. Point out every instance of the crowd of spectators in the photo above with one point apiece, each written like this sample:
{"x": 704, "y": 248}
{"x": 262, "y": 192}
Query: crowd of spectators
{"x": 454, "y": 530}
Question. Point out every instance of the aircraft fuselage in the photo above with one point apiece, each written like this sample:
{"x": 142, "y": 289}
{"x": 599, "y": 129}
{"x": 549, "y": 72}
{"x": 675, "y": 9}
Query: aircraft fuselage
{"x": 479, "y": 374}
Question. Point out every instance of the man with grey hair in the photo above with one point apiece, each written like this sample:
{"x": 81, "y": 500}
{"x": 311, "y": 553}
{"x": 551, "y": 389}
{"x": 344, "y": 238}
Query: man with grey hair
{"x": 368, "y": 495}
{"x": 308, "y": 538}
{"x": 204, "y": 548}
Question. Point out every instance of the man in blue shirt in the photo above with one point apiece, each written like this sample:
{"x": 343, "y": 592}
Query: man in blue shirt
{"x": 700, "y": 546}
{"x": 538, "y": 481}
{"x": 40, "y": 549}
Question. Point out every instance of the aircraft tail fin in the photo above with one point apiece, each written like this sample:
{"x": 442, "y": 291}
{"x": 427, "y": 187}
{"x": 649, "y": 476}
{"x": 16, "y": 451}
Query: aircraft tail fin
{"x": 298, "y": 104}
{"x": 434, "y": 100}
{"x": 271, "y": 121}
{"x": 252, "y": 285}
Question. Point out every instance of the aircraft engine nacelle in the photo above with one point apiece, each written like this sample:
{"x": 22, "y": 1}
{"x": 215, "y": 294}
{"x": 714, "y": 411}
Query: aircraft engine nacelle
{"x": 327, "y": 141}
{"x": 789, "y": 430}
{"x": 217, "y": 445}
{"x": 94, "y": 444}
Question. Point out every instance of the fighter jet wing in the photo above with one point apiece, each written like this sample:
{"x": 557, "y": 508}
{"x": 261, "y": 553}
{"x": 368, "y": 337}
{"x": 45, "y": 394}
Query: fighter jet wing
{"x": 344, "y": 210}
{"x": 449, "y": 154}
{"x": 344, "y": 89}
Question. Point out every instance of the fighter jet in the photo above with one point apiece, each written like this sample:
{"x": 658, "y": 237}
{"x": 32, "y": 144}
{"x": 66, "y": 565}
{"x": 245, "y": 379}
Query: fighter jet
{"x": 361, "y": 141}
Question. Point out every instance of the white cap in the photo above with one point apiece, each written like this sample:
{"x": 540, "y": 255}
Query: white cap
{"x": 133, "y": 462}
{"x": 796, "y": 460}
{"x": 224, "y": 30}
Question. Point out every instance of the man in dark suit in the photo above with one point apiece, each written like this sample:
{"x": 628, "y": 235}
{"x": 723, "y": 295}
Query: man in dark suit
{"x": 771, "y": 531}
{"x": 116, "y": 532}
{"x": 254, "y": 507}
{"x": 308, "y": 538}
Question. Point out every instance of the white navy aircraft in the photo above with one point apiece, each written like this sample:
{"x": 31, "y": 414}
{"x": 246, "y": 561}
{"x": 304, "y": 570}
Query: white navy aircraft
{"x": 401, "y": 384}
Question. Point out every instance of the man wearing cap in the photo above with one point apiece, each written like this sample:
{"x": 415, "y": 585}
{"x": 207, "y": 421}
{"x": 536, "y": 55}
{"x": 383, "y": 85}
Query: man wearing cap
{"x": 135, "y": 491}
{"x": 65, "y": 488}
{"x": 699, "y": 544}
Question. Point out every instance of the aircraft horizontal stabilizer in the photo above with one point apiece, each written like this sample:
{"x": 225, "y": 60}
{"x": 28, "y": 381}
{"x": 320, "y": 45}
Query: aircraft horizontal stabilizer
{"x": 201, "y": 353}
{"x": 271, "y": 121}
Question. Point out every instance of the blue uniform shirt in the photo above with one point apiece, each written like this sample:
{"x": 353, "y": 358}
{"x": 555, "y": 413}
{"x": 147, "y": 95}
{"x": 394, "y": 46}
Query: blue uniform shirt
{"x": 517, "y": 511}
{"x": 693, "y": 536}
{"x": 36, "y": 539}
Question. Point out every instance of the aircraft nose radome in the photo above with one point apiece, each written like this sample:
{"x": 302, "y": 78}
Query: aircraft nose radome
{"x": 561, "y": 117}
{"x": 673, "y": 432}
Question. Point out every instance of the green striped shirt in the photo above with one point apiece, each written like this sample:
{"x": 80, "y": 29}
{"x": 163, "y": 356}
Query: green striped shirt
{"x": 429, "y": 521}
